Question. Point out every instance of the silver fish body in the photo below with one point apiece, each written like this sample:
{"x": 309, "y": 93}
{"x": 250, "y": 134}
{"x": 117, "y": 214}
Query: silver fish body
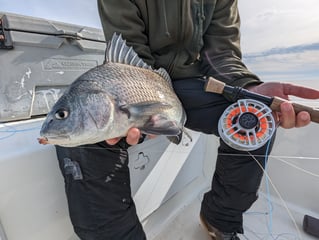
{"x": 109, "y": 99}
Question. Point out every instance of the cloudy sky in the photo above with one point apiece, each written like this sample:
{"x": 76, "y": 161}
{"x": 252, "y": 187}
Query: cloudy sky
{"x": 280, "y": 38}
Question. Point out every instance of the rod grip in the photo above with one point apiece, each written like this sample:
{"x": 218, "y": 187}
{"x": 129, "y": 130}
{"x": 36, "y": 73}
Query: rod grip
{"x": 314, "y": 113}
{"x": 214, "y": 86}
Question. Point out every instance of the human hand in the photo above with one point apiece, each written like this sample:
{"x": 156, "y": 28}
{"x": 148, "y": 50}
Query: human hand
{"x": 287, "y": 116}
{"x": 132, "y": 138}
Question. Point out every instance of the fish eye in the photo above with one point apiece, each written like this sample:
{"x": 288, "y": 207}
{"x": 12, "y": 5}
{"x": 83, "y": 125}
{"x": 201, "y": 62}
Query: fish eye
{"x": 61, "y": 114}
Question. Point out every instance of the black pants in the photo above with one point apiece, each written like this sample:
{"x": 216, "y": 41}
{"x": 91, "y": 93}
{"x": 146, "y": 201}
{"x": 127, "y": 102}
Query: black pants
{"x": 98, "y": 186}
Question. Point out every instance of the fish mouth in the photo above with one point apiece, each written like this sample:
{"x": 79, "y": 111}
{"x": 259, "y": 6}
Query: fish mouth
{"x": 43, "y": 140}
{"x": 53, "y": 139}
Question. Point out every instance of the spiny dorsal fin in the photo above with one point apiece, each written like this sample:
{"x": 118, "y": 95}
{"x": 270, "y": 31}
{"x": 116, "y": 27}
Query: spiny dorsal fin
{"x": 118, "y": 52}
{"x": 164, "y": 74}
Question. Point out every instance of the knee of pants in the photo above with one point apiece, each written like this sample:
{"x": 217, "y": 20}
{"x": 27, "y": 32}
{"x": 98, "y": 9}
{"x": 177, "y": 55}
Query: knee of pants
{"x": 135, "y": 232}
{"x": 239, "y": 173}
{"x": 103, "y": 193}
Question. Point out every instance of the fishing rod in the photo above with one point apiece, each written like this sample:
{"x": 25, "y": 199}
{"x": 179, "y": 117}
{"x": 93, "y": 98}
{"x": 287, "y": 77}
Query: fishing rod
{"x": 215, "y": 86}
{"x": 248, "y": 123}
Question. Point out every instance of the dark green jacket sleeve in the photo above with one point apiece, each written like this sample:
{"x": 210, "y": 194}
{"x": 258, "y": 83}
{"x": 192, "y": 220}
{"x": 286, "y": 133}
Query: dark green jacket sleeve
{"x": 207, "y": 28}
{"x": 221, "y": 54}
{"x": 123, "y": 16}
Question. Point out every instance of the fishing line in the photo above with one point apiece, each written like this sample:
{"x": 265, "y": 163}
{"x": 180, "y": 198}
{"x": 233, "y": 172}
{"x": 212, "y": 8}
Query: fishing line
{"x": 12, "y": 131}
{"x": 268, "y": 197}
{"x": 276, "y": 157}
{"x": 215, "y": 68}
{"x": 271, "y": 156}
{"x": 281, "y": 159}
{"x": 269, "y": 200}
{"x": 279, "y": 195}
{"x": 8, "y": 136}
{"x": 268, "y": 191}
{"x": 299, "y": 168}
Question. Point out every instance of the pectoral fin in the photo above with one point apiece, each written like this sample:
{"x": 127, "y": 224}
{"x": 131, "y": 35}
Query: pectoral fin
{"x": 157, "y": 124}
{"x": 160, "y": 125}
{"x": 140, "y": 110}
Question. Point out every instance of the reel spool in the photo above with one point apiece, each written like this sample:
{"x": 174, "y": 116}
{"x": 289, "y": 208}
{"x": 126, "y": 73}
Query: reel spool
{"x": 246, "y": 125}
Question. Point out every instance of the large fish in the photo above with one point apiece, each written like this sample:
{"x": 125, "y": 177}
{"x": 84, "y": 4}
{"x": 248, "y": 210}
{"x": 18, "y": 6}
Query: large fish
{"x": 109, "y": 99}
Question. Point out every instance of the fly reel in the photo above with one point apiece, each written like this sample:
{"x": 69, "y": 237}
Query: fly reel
{"x": 246, "y": 125}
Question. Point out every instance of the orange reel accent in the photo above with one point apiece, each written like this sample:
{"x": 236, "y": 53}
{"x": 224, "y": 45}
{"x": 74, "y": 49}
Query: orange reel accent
{"x": 246, "y": 125}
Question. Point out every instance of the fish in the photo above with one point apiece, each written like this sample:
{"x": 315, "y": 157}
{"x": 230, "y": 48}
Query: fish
{"x": 109, "y": 99}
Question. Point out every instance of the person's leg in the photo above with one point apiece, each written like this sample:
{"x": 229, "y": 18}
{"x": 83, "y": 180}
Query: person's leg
{"x": 237, "y": 175}
{"x": 234, "y": 187}
{"x": 97, "y": 185}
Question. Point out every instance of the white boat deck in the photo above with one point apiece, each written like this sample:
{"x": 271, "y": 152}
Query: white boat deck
{"x": 259, "y": 223}
{"x": 168, "y": 183}
{"x": 293, "y": 179}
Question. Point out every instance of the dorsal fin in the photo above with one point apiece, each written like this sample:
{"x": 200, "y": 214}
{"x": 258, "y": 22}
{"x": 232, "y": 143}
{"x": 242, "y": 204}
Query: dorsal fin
{"x": 164, "y": 74}
{"x": 118, "y": 52}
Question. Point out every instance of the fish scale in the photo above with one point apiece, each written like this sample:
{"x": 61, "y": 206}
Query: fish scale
{"x": 136, "y": 82}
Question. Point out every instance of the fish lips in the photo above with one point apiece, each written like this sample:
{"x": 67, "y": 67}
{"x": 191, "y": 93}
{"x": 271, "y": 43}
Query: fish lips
{"x": 53, "y": 139}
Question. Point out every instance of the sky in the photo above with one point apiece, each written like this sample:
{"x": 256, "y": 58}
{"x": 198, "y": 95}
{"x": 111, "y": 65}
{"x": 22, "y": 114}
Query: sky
{"x": 279, "y": 38}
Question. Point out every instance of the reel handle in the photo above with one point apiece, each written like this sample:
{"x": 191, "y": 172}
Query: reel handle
{"x": 215, "y": 86}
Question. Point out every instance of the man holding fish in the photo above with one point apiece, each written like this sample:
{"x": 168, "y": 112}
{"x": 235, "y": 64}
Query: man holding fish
{"x": 190, "y": 40}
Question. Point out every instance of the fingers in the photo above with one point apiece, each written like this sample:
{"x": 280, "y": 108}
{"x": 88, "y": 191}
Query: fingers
{"x": 303, "y": 119}
{"x": 300, "y": 91}
{"x": 288, "y": 118}
{"x": 113, "y": 141}
{"x": 132, "y": 138}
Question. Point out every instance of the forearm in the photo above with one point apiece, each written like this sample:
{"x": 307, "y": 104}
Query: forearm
{"x": 221, "y": 56}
